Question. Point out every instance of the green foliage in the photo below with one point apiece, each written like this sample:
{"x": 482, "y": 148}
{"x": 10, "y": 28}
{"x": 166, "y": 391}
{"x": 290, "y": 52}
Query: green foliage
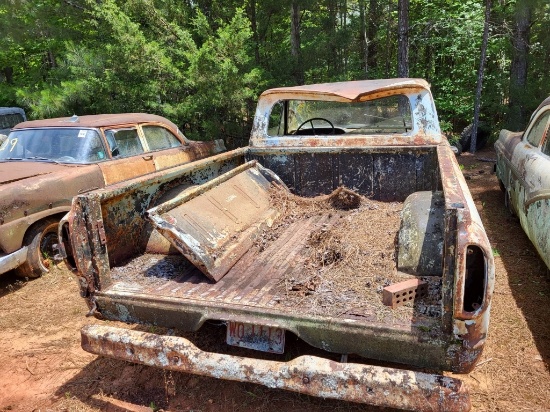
{"x": 223, "y": 85}
{"x": 203, "y": 63}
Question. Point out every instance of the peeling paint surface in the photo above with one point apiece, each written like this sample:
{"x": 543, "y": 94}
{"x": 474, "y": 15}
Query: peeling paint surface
{"x": 381, "y": 386}
{"x": 523, "y": 168}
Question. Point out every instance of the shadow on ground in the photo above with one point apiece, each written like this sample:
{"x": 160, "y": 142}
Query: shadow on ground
{"x": 10, "y": 282}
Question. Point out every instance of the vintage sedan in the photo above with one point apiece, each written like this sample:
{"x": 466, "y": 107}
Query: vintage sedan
{"x": 523, "y": 171}
{"x": 44, "y": 163}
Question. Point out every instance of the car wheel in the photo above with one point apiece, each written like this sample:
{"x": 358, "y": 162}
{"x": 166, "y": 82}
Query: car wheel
{"x": 456, "y": 148}
{"x": 40, "y": 240}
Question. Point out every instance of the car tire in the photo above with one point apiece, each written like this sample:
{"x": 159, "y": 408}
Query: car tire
{"x": 483, "y": 134}
{"x": 456, "y": 148}
{"x": 39, "y": 239}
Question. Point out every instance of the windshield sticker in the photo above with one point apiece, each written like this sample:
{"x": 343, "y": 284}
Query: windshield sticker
{"x": 82, "y": 133}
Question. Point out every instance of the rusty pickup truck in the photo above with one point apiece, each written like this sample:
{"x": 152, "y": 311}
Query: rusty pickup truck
{"x": 339, "y": 255}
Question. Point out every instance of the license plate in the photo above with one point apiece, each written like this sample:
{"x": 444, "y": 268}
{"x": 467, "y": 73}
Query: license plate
{"x": 258, "y": 337}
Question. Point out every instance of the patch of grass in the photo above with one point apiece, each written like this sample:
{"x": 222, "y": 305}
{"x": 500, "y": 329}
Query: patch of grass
{"x": 496, "y": 253}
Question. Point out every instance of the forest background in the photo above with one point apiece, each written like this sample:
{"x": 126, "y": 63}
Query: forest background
{"x": 203, "y": 64}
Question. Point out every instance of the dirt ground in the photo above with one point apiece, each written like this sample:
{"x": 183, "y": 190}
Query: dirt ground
{"x": 43, "y": 368}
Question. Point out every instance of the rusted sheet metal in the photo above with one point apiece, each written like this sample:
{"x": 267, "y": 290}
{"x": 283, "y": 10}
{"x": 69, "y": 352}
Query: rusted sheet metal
{"x": 375, "y": 385}
{"x": 122, "y": 208}
{"x": 388, "y": 173}
{"x": 124, "y": 169}
{"x": 214, "y": 224}
{"x": 352, "y": 90}
{"x": 464, "y": 230}
{"x": 48, "y": 193}
{"x": 425, "y": 130}
{"x": 421, "y": 234}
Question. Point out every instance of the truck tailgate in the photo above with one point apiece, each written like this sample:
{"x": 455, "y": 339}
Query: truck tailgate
{"x": 215, "y": 223}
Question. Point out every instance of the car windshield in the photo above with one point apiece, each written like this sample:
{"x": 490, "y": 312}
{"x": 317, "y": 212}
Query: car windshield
{"x": 386, "y": 115}
{"x": 61, "y": 145}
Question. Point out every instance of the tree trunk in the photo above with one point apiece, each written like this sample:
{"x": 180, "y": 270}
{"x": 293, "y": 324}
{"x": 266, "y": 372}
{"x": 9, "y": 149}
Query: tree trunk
{"x": 254, "y": 27}
{"x": 8, "y": 74}
{"x": 403, "y": 38}
{"x": 477, "y": 103}
{"x": 343, "y": 46}
{"x": 389, "y": 54}
{"x": 518, "y": 114}
{"x": 295, "y": 44}
{"x": 372, "y": 28}
{"x": 333, "y": 63}
{"x": 364, "y": 39}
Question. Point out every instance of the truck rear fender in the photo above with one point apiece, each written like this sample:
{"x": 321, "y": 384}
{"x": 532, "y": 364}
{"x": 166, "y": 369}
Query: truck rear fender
{"x": 474, "y": 283}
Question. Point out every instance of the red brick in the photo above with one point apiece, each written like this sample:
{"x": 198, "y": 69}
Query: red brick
{"x": 400, "y": 293}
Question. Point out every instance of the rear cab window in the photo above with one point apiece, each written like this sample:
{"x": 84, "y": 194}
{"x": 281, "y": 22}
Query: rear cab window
{"x": 386, "y": 115}
{"x": 7, "y": 121}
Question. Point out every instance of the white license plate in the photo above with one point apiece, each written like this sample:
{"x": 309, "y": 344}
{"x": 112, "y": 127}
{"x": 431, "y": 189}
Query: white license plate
{"x": 258, "y": 337}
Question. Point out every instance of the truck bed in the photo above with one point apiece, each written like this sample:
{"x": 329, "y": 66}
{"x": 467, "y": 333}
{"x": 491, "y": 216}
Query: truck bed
{"x": 333, "y": 305}
{"x": 279, "y": 274}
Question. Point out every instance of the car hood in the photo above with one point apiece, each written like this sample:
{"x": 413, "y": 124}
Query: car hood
{"x": 20, "y": 170}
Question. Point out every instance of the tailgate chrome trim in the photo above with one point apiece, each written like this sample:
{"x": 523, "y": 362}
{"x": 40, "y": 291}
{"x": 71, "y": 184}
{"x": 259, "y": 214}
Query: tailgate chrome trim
{"x": 375, "y": 385}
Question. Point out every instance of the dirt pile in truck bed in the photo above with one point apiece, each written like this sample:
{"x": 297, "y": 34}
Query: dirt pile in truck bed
{"x": 348, "y": 260}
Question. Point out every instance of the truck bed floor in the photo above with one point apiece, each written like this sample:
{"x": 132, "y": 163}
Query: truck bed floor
{"x": 283, "y": 277}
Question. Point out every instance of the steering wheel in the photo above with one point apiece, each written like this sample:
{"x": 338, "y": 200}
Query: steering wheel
{"x": 310, "y": 121}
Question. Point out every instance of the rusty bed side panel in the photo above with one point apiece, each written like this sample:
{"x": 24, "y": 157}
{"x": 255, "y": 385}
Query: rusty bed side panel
{"x": 463, "y": 229}
{"x": 381, "y": 386}
{"x": 116, "y": 216}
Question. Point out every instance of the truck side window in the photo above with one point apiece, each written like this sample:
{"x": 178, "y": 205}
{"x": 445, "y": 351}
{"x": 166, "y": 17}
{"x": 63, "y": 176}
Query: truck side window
{"x": 159, "y": 138}
{"x": 534, "y": 135}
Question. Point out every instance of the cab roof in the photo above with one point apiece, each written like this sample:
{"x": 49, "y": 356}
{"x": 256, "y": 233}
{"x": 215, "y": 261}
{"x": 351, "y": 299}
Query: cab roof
{"x": 352, "y": 90}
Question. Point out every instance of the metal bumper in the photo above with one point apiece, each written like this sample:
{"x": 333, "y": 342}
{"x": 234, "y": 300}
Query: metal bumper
{"x": 13, "y": 260}
{"x": 375, "y": 385}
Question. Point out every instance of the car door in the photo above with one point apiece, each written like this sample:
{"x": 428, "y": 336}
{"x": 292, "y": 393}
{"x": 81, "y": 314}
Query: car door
{"x": 130, "y": 156}
{"x": 166, "y": 149}
{"x": 530, "y": 189}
